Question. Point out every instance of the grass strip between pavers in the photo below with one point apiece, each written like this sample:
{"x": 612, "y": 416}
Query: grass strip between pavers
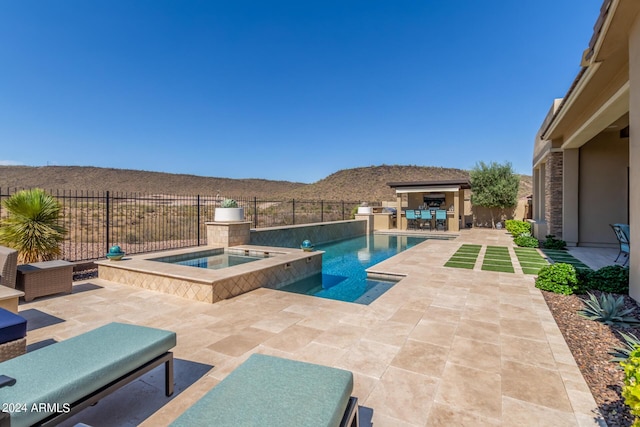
{"x": 495, "y": 262}
{"x": 467, "y": 251}
{"x": 531, "y": 261}
{"x": 459, "y": 265}
{"x": 469, "y": 245}
{"x": 498, "y": 268}
{"x": 532, "y": 264}
{"x": 498, "y": 257}
{"x": 463, "y": 258}
{"x": 577, "y": 264}
{"x": 531, "y": 257}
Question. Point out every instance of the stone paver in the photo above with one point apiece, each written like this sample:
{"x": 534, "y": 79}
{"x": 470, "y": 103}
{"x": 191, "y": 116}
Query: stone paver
{"x": 444, "y": 346}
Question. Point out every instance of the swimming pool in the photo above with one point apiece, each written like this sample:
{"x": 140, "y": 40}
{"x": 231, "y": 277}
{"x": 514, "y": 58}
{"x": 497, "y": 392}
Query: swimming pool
{"x": 344, "y": 265}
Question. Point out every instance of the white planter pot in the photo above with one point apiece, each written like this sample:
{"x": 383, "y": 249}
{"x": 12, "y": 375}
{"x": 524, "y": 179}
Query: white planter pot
{"x": 365, "y": 210}
{"x": 229, "y": 215}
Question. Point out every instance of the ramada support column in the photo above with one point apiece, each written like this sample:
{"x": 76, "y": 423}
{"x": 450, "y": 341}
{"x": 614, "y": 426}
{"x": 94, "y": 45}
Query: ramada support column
{"x": 634, "y": 159}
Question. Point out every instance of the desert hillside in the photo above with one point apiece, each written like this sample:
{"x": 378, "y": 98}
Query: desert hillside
{"x": 357, "y": 184}
{"x": 136, "y": 181}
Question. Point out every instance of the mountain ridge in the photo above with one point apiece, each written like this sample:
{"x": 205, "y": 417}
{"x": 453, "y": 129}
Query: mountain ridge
{"x": 367, "y": 183}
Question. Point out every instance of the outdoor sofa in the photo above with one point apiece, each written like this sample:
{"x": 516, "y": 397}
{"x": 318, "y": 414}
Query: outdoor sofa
{"x": 268, "y": 391}
{"x": 8, "y": 267}
{"x": 57, "y": 381}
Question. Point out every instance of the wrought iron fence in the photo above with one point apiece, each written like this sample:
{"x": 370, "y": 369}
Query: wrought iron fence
{"x": 96, "y": 220}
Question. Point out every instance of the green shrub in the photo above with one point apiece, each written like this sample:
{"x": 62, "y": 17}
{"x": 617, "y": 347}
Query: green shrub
{"x": 585, "y": 280}
{"x": 612, "y": 278}
{"x": 553, "y": 243}
{"x": 516, "y": 228}
{"x": 559, "y": 278}
{"x": 607, "y": 309}
{"x": 631, "y": 388}
{"x": 525, "y": 240}
{"x": 354, "y": 211}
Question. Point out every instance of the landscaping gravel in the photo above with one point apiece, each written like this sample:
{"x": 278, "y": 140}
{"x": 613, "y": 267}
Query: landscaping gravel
{"x": 590, "y": 343}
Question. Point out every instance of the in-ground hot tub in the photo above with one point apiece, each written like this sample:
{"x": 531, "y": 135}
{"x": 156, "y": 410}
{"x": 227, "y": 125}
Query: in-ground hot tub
{"x": 273, "y": 267}
{"x": 215, "y": 259}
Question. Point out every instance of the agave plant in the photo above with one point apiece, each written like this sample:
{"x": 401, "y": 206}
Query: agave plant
{"x": 31, "y": 226}
{"x": 607, "y": 309}
{"x": 621, "y": 354}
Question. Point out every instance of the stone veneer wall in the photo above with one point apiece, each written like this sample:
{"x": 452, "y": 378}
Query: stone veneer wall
{"x": 293, "y": 235}
{"x": 227, "y": 234}
{"x": 272, "y": 277}
{"x": 553, "y": 194}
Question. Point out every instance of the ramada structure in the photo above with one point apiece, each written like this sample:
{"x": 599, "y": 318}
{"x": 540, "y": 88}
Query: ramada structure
{"x": 586, "y": 160}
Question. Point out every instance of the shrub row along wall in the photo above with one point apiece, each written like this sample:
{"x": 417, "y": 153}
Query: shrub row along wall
{"x": 292, "y": 236}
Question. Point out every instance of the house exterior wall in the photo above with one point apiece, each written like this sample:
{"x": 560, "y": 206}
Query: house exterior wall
{"x": 603, "y": 188}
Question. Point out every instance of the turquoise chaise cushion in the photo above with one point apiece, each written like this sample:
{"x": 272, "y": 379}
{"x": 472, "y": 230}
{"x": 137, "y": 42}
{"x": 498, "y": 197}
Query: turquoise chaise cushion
{"x": 271, "y": 391}
{"x": 71, "y": 369}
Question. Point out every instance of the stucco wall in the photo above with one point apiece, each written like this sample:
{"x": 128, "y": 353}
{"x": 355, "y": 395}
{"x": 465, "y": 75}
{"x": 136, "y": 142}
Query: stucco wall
{"x": 634, "y": 158}
{"x": 603, "y": 188}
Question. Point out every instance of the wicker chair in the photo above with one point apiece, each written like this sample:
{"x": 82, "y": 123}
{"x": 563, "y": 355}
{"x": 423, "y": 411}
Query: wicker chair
{"x": 8, "y": 267}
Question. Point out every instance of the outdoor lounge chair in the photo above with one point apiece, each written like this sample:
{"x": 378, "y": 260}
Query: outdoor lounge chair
{"x": 8, "y": 267}
{"x": 269, "y": 391}
{"x": 66, "y": 377}
{"x": 622, "y": 234}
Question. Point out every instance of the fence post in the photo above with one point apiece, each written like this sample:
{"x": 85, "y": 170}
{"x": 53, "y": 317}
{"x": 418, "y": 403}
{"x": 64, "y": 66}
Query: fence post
{"x": 293, "y": 204}
{"x": 107, "y": 224}
{"x": 198, "y": 219}
{"x": 255, "y": 212}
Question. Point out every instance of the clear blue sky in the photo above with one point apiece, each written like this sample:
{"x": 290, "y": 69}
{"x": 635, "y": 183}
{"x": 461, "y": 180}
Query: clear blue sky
{"x": 284, "y": 90}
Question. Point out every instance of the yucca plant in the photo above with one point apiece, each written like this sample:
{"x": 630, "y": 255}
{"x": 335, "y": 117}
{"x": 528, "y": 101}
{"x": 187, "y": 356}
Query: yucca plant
{"x": 31, "y": 226}
{"x": 621, "y": 354}
{"x": 607, "y": 309}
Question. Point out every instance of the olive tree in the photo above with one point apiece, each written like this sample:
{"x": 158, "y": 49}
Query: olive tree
{"x": 494, "y": 185}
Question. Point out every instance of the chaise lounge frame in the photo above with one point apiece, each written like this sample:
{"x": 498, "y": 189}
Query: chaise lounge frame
{"x": 103, "y": 392}
{"x": 120, "y": 367}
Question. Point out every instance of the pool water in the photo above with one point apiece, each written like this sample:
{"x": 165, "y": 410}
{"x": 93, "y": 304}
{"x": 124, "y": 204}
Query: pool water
{"x": 344, "y": 263}
{"x": 211, "y": 259}
{"x": 216, "y": 262}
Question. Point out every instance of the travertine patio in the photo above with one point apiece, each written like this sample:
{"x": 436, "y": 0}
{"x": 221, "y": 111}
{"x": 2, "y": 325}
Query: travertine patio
{"x": 443, "y": 347}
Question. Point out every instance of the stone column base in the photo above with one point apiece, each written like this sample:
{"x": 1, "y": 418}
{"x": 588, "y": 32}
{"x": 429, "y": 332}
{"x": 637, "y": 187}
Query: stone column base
{"x": 368, "y": 218}
{"x": 228, "y": 233}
